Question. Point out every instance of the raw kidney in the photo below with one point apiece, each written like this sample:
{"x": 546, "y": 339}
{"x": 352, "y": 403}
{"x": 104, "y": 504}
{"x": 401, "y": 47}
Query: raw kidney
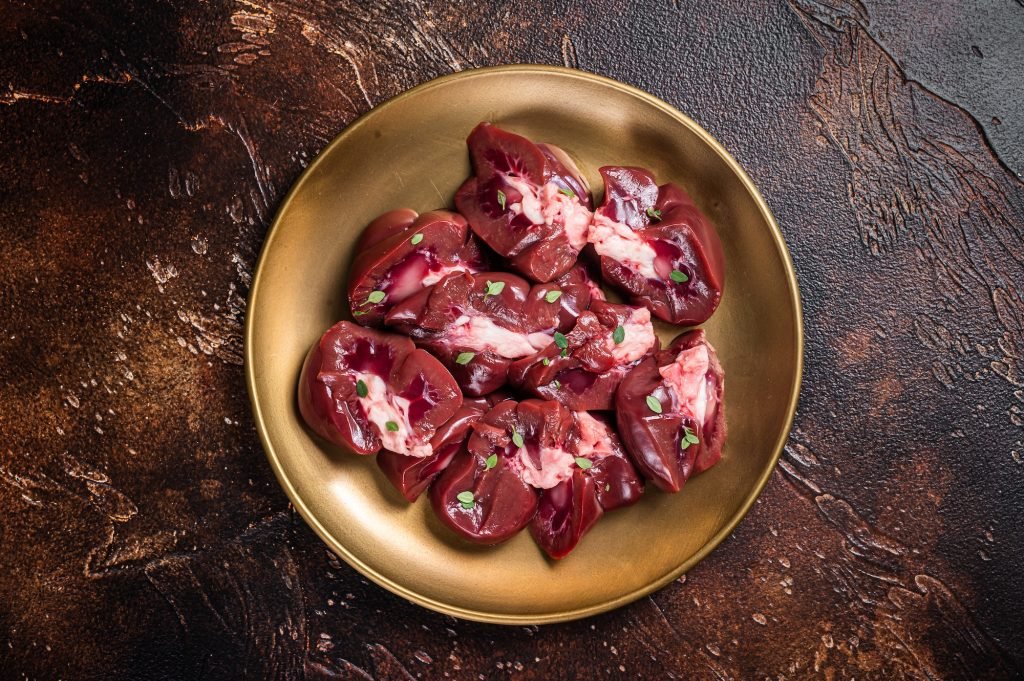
{"x": 412, "y": 475}
{"x": 489, "y": 319}
{"x": 535, "y": 462}
{"x": 586, "y": 372}
{"x": 657, "y": 247}
{"x": 686, "y": 383}
{"x": 367, "y": 390}
{"x": 526, "y": 201}
{"x": 568, "y": 510}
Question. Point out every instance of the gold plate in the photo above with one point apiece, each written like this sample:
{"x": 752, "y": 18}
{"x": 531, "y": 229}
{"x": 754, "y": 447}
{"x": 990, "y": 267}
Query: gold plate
{"x": 411, "y": 152}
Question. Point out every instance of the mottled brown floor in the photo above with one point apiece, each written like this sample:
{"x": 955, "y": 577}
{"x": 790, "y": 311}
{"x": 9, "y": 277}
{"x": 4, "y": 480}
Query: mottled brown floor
{"x": 143, "y": 150}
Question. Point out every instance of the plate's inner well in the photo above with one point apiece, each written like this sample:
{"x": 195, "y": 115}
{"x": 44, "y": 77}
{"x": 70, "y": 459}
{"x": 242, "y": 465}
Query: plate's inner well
{"x": 411, "y": 152}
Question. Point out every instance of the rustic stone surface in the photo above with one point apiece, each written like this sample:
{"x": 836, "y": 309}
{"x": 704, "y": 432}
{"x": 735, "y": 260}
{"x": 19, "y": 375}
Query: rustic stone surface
{"x": 144, "y": 149}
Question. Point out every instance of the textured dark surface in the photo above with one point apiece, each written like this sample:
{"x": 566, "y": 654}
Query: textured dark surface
{"x": 143, "y": 150}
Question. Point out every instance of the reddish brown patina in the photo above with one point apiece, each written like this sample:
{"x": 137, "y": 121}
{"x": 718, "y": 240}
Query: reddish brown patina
{"x": 144, "y": 149}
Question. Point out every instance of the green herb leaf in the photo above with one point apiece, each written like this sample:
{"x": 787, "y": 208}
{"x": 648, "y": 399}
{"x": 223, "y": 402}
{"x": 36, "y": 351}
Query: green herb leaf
{"x": 416, "y": 238}
{"x": 358, "y": 313}
{"x": 564, "y": 352}
{"x": 684, "y": 444}
{"x": 584, "y": 463}
{"x": 678, "y": 276}
{"x": 653, "y": 214}
{"x": 466, "y": 499}
{"x": 391, "y": 425}
{"x": 376, "y": 297}
{"x": 618, "y": 335}
{"x": 501, "y": 199}
{"x": 560, "y": 340}
{"x": 517, "y": 439}
{"x": 689, "y": 437}
{"x": 494, "y": 288}
{"x": 465, "y": 357}
{"x": 492, "y": 461}
{"x": 568, "y": 192}
{"x": 361, "y": 388}
{"x": 552, "y": 296}
{"x": 545, "y": 361}
{"x": 654, "y": 404}
{"x": 555, "y": 384}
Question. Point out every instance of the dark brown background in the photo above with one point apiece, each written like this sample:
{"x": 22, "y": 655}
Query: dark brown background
{"x": 143, "y": 150}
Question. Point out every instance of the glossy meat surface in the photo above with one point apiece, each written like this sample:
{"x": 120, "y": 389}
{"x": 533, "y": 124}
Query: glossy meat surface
{"x": 603, "y": 479}
{"x": 401, "y": 252}
{"x": 367, "y": 390}
{"x": 535, "y": 462}
{"x": 412, "y": 475}
{"x": 526, "y": 201}
{"x": 479, "y": 324}
{"x": 657, "y": 247}
{"x": 670, "y": 413}
{"x": 604, "y": 344}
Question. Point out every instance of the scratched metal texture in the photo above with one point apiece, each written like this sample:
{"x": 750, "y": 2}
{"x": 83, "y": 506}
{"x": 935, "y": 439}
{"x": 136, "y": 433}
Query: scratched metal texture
{"x": 144, "y": 147}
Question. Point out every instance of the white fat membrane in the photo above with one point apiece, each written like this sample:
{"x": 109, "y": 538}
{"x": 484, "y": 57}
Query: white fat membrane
{"x": 530, "y": 204}
{"x": 555, "y": 466}
{"x": 638, "y": 339}
{"x": 617, "y": 241}
{"x": 687, "y": 379}
{"x": 595, "y": 437}
{"x": 434, "y": 276}
{"x": 413, "y": 279}
{"x": 548, "y": 206}
{"x": 380, "y": 406}
{"x": 568, "y": 210}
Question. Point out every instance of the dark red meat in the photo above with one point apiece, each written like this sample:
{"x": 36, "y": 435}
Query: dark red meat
{"x": 686, "y": 383}
{"x": 479, "y": 324}
{"x": 493, "y": 465}
{"x": 499, "y": 488}
{"x": 577, "y": 291}
{"x": 412, "y": 475}
{"x": 526, "y": 201}
{"x": 565, "y": 513}
{"x": 384, "y": 226}
{"x": 657, "y": 247}
{"x": 356, "y": 381}
{"x": 389, "y": 266}
{"x": 586, "y": 372}
{"x": 535, "y": 462}
{"x": 606, "y": 480}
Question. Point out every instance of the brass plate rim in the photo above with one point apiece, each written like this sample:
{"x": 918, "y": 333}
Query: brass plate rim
{"x": 610, "y": 604}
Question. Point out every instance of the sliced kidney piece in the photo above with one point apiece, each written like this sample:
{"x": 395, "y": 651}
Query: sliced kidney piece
{"x": 367, "y": 390}
{"x": 489, "y": 493}
{"x": 565, "y": 513}
{"x": 412, "y": 475}
{"x": 535, "y": 462}
{"x": 400, "y": 253}
{"x": 657, "y": 247}
{"x": 583, "y": 369}
{"x": 670, "y": 412}
{"x": 526, "y": 201}
{"x": 478, "y": 324}
{"x": 602, "y": 479}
